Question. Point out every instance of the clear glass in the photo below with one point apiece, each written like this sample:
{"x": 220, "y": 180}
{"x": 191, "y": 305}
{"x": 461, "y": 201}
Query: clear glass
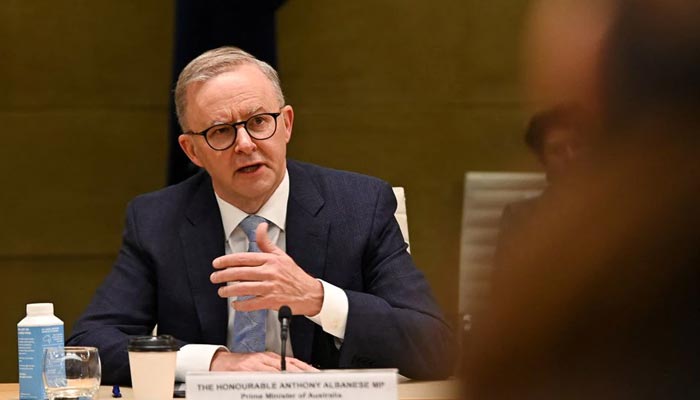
{"x": 222, "y": 136}
{"x": 71, "y": 372}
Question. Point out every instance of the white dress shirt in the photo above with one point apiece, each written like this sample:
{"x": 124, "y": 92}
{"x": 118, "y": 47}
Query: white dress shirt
{"x": 334, "y": 310}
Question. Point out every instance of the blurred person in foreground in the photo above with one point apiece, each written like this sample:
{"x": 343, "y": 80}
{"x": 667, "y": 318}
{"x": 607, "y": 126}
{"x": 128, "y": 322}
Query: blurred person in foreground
{"x": 603, "y": 299}
{"x": 212, "y": 259}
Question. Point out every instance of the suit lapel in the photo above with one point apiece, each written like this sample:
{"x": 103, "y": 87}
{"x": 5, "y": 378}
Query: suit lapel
{"x": 307, "y": 238}
{"x": 202, "y": 236}
{"x": 202, "y": 239}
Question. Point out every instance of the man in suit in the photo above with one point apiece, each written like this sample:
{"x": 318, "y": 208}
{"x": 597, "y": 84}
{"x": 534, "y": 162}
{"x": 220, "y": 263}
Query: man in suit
{"x": 328, "y": 247}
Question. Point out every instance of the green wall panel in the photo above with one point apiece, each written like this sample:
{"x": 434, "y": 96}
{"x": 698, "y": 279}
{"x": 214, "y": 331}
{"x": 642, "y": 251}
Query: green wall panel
{"x": 68, "y": 282}
{"x": 84, "y": 114}
{"x": 412, "y": 91}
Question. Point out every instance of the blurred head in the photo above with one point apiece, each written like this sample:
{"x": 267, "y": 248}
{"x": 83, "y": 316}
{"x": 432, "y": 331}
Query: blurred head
{"x": 228, "y": 86}
{"x": 600, "y": 298}
{"x": 650, "y": 65}
{"x": 562, "y": 49}
{"x": 555, "y": 136}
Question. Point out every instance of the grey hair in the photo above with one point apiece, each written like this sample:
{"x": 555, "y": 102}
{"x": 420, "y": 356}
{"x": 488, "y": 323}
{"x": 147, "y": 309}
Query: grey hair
{"x": 213, "y": 63}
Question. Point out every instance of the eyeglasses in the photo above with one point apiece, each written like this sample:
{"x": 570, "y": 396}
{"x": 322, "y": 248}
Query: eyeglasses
{"x": 222, "y": 136}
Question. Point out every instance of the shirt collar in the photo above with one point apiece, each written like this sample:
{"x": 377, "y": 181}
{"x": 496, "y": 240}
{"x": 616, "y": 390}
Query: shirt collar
{"x": 274, "y": 210}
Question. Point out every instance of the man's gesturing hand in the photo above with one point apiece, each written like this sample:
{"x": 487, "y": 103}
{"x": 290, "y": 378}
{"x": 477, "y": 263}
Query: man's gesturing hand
{"x": 271, "y": 276}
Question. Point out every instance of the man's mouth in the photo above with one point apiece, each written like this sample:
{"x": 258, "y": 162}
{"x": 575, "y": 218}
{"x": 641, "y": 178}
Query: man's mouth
{"x": 250, "y": 168}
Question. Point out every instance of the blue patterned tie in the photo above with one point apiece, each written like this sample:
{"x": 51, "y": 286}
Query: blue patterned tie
{"x": 249, "y": 327}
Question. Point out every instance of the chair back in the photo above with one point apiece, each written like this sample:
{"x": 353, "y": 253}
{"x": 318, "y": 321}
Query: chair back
{"x": 401, "y": 215}
{"x": 485, "y": 196}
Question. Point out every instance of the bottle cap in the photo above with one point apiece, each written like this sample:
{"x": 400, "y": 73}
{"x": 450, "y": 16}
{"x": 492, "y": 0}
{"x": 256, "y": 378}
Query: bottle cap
{"x": 153, "y": 343}
{"x": 40, "y": 309}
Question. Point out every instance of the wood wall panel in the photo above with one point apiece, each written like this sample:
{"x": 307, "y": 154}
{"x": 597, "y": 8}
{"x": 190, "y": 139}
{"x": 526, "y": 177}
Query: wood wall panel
{"x": 88, "y": 54}
{"x": 74, "y": 172}
{"x": 414, "y": 92}
{"x": 83, "y": 107}
{"x": 68, "y": 282}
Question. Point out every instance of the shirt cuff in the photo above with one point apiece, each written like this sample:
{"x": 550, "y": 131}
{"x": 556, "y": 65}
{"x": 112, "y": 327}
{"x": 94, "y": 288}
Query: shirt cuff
{"x": 334, "y": 311}
{"x": 194, "y": 357}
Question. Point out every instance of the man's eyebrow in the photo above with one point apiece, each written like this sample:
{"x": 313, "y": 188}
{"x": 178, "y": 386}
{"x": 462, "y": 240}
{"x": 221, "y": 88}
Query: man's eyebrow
{"x": 254, "y": 110}
{"x": 248, "y": 113}
{"x": 216, "y": 122}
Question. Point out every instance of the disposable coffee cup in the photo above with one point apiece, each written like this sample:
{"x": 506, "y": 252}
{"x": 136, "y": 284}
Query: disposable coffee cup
{"x": 152, "y": 364}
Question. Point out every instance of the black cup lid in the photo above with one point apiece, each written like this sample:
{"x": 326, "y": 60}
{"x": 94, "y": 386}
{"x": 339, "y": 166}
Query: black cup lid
{"x": 153, "y": 343}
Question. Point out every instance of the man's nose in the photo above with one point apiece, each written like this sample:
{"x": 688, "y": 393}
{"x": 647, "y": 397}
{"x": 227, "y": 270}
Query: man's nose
{"x": 244, "y": 143}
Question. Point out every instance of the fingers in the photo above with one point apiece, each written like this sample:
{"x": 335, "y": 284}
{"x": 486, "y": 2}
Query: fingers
{"x": 226, "y": 361}
{"x": 293, "y": 367}
{"x": 268, "y": 361}
{"x": 240, "y": 260}
{"x": 274, "y": 361}
{"x": 299, "y": 365}
{"x": 239, "y": 289}
{"x": 263, "y": 367}
{"x": 270, "y": 290}
{"x": 240, "y": 274}
{"x": 264, "y": 243}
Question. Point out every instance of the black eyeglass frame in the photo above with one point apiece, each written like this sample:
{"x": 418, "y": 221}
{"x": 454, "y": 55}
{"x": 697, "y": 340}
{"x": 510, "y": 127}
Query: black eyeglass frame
{"x": 235, "y": 125}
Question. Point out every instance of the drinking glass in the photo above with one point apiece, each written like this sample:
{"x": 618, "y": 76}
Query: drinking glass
{"x": 71, "y": 372}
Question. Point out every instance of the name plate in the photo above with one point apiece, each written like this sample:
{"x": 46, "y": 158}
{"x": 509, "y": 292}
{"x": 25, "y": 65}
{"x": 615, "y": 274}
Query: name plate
{"x": 372, "y": 384}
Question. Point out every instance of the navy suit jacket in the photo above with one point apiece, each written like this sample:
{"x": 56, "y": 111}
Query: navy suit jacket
{"x": 340, "y": 228}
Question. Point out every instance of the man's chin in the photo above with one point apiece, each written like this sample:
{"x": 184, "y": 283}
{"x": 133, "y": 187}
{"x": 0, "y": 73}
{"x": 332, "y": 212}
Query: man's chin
{"x": 252, "y": 188}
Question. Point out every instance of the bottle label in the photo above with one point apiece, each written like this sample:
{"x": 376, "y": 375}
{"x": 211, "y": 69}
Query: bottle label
{"x": 31, "y": 342}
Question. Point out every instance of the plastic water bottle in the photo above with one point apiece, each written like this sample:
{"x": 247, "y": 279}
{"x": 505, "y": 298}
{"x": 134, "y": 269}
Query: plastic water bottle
{"x": 39, "y": 330}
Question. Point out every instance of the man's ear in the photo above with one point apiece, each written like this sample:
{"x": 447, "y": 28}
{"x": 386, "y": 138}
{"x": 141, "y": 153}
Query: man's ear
{"x": 288, "y": 114}
{"x": 188, "y": 146}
